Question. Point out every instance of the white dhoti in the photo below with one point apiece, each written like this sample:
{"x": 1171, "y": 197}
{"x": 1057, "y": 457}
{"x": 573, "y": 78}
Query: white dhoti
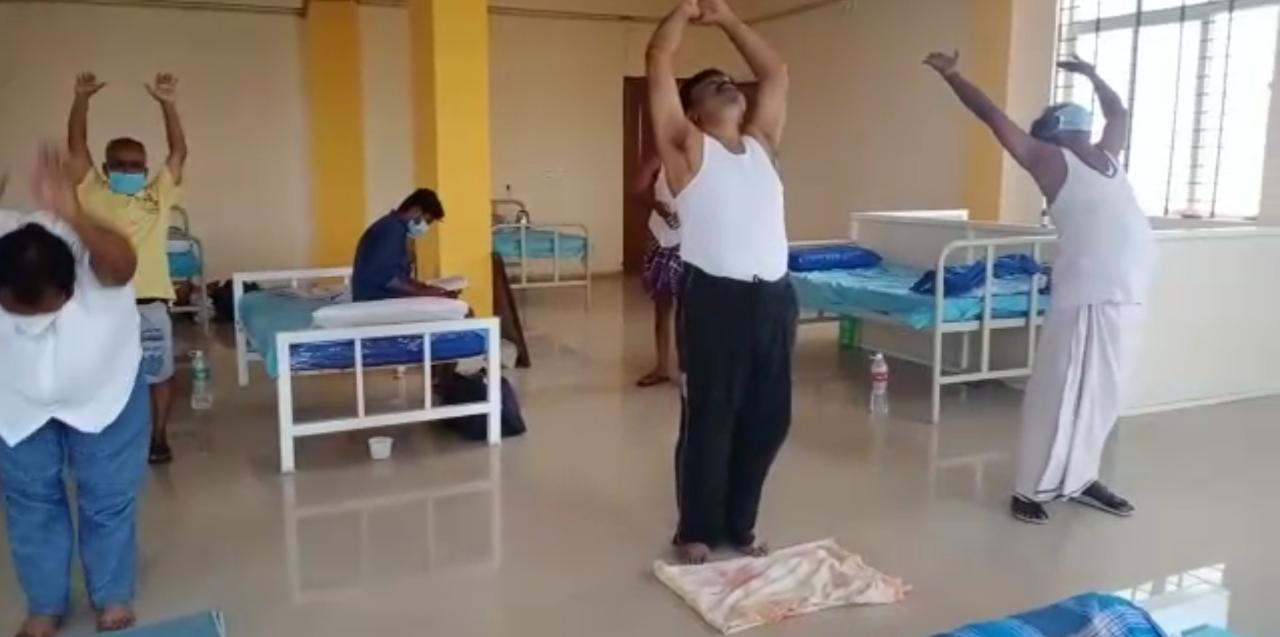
{"x": 1074, "y": 397}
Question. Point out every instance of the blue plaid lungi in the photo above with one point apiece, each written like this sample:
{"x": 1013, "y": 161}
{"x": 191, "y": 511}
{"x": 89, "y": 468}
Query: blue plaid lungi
{"x": 1090, "y": 615}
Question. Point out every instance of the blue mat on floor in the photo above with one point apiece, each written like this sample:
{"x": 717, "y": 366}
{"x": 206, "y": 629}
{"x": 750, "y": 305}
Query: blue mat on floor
{"x": 206, "y": 624}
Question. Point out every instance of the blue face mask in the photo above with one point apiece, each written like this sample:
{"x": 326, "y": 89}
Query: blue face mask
{"x": 128, "y": 184}
{"x": 418, "y": 229}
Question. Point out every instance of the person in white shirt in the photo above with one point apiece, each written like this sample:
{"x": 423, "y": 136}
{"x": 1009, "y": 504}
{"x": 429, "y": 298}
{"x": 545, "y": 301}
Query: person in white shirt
{"x": 1106, "y": 256}
{"x": 663, "y": 267}
{"x": 736, "y": 320}
{"x": 70, "y": 398}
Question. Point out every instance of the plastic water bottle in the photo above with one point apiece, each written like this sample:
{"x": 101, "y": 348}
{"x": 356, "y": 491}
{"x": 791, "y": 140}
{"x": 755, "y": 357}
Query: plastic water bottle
{"x": 879, "y": 404}
{"x": 201, "y": 383}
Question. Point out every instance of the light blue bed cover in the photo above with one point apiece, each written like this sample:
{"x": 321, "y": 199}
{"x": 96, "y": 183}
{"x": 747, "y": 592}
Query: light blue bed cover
{"x": 886, "y": 289}
{"x": 541, "y": 243}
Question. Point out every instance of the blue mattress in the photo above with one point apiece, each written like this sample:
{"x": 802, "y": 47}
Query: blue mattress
{"x": 886, "y": 290}
{"x": 267, "y": 313}
{"x": 541, "y": 244}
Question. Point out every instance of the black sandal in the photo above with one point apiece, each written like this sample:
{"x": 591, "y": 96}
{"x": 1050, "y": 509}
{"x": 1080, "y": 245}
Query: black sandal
{"x": 1099, "y": 497}
{"x": 160, "y": 453}
{"x": 1028, "y": 511}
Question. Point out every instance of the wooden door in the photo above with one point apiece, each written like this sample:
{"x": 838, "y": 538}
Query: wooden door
{"x": 637, "y": 145}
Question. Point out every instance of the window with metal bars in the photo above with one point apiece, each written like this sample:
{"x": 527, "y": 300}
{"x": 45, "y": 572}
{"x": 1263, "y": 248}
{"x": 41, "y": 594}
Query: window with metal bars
{"x": 1196, "y": 75}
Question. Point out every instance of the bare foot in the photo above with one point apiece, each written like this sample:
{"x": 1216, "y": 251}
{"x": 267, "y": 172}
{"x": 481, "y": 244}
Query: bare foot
{"x": 40, "y": 626}
{"x": 693, "y": 553}
{"x": 653, "y": 379}
{"x": 113, "y": 618}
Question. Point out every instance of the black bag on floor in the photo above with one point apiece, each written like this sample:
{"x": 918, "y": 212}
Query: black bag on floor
{"x": 460, "y": 389}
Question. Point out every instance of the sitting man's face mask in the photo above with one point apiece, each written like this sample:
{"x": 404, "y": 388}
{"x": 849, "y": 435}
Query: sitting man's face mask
{"x": 418, "y": 228}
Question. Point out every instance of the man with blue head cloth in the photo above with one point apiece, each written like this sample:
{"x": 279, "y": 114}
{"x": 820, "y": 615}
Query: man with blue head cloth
{"x": 1106, "y": 254}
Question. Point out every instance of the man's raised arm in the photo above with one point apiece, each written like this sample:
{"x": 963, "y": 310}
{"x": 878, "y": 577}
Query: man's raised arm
{"x": 165, "y": 92}
{"x": 673, "y": 132}
{"x": 769, "y": 117}
{"x": 79, "y": 159}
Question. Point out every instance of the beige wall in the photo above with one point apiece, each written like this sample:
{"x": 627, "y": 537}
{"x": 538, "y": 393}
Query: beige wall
{"x": 240, "y": 98}
{"x": 869, "y": 127}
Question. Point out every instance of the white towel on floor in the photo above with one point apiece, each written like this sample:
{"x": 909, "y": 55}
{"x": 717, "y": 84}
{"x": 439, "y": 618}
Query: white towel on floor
{"x": 747, "y": 592}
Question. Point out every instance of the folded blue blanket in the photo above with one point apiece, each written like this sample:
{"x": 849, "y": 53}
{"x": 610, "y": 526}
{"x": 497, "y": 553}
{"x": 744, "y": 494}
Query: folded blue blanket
{"x": 962, "y": 279}
{"x": 1090, "y": 615}
{"x": 821, "y": 258}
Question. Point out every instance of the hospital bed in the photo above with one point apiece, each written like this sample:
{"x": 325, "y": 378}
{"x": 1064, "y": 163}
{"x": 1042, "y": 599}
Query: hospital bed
{"x": 882, "y": 295}
{"x": 274, "y": 327}
{"x": 1211, "y": 300}
{"x": 187, "y": 265}
{"x": 529, "y": 249}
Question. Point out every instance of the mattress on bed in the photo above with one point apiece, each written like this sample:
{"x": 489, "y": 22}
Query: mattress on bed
{"x": 266, "y": 313}
{"x": 886, "y": 290}
{"x": 540, "y": 243}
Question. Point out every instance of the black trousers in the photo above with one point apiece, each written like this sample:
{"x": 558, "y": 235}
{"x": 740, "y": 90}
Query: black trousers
{"x": 735, "y": 340}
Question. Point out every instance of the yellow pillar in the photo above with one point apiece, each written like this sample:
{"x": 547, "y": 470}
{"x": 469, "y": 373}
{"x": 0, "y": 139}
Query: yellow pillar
{"x": 450, "y": 66}
{"x": 331, "y": 55}
{"x": 988, "y": 66}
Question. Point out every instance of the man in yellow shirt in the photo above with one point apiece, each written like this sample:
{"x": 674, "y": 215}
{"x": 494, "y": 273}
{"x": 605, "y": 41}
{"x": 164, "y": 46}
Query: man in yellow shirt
{"x": 126, "y": 196}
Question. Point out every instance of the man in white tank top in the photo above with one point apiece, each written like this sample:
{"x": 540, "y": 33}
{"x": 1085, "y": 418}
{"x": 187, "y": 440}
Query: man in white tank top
{"x": 736, "y": 321}
{"x": 1106, "y": 254}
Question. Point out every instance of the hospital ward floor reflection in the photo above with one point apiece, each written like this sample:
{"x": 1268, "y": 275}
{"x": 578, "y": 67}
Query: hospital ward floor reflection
{"x": 554, "y": 534}
{"x": 398, "y": 527}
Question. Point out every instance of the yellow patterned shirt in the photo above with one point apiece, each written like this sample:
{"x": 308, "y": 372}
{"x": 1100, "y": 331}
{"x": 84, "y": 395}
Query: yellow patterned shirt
{"x": 144, "y": 218}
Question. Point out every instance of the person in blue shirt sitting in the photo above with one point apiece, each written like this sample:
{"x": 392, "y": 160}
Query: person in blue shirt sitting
{"x": 383, "y": 266}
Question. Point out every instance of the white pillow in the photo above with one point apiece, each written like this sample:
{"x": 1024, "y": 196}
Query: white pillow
{"x": 390, "y": 312}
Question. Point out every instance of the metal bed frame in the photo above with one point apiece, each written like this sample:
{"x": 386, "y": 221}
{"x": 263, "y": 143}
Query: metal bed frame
{"x": 984, "y": 326}
{"x": 200, "y": 294}
{"x": 520, "y": 270}
{"x": 291, "y": 428}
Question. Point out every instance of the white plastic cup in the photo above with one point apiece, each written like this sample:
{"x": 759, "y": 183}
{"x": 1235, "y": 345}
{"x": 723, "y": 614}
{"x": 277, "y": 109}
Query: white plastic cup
{"x": 380, "y": 447}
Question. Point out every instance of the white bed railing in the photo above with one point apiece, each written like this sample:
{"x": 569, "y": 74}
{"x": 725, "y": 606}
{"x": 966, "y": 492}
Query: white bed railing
{"x": 199, "y": 304}
{"x": 524, "y": 279}
{"x": 290, "y": 428}
{"x": 294, "y": 280}
{"x": 987, "y": 324}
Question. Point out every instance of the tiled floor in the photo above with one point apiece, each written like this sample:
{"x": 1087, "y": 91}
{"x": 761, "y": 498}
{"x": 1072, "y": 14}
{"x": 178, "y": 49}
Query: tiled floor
{"x": 554, "y": 534}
